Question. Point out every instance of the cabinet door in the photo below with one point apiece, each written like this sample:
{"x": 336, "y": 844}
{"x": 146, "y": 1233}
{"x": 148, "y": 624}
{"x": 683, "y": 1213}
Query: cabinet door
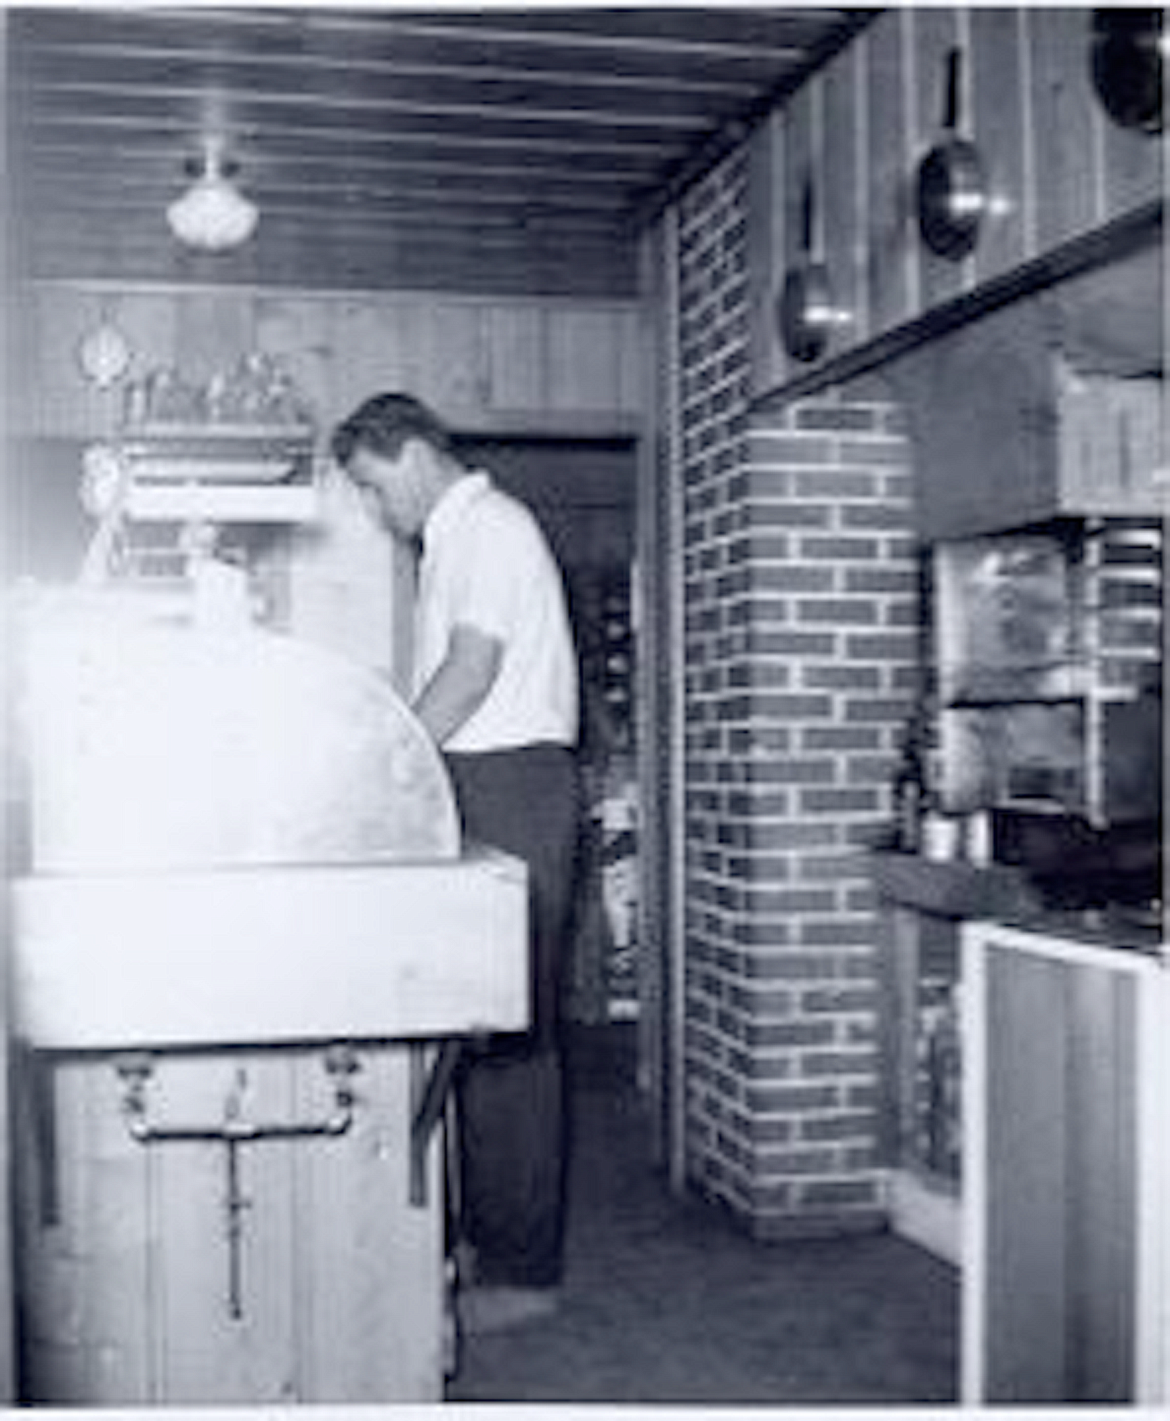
{"x": 1064, "y": 1250}
{"x": 133, "y": 1288}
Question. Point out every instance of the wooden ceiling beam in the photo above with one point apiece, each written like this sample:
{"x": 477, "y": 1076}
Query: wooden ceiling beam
{"x": 530, "y": 212}
{"x": 70, "y": 147}
{"x": 148, "y": 131}
{"x": 444, "y": 56}
{"x": 61, "y": 188}
{"x": 261, "y": 112}
{"x": 656, "y": 37}
{"x": 583, "y": 98}
{"x": 681, "y": 28}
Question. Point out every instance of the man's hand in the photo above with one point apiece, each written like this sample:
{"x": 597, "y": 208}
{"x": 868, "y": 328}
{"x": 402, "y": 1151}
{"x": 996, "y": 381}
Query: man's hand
{"x": 460, "y": 683}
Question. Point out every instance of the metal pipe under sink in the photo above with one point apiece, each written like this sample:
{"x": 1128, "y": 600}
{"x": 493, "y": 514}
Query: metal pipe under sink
{"x": 136, "y": 1069}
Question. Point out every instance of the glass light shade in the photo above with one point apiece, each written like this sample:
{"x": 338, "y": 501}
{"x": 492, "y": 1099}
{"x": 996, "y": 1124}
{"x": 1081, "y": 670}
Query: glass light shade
{"x": 212, "y": 215}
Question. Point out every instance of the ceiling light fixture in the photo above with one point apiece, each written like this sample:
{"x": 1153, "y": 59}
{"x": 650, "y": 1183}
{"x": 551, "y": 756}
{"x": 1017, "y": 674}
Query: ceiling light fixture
{"x": 212, "y": 215}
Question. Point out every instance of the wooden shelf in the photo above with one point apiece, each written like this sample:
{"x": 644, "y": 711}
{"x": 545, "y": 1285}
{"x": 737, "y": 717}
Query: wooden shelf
{"x": 155, "y": 431}
{"x": 223, "y": 502}
{"x": 223, "y": 473}
{"x": 217, "y": 454}
{"x": 160, "y": 468}
{"x": 951, "y": 890}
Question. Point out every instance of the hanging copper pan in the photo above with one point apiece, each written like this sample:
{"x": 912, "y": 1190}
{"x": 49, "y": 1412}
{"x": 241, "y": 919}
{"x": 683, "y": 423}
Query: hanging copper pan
{"x": 952, "y": 188}
{"x": 1128, "y": 66}
{"x": 805, "y": 310}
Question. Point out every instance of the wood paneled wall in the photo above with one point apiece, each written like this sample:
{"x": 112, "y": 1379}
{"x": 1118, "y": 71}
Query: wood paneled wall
{"x": 488, "y": 365}
{"x": 1059, "y": 166}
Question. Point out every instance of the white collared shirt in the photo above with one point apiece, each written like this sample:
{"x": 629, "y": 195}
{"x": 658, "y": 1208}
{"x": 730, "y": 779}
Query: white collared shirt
{"x": 486, "y": 565}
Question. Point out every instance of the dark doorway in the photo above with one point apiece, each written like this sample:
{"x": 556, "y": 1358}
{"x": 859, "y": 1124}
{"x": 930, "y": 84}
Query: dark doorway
{"x": 583, "y": 492}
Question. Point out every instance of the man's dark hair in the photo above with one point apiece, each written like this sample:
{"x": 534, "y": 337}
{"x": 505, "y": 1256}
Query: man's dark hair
{"x": 384, "y": 423}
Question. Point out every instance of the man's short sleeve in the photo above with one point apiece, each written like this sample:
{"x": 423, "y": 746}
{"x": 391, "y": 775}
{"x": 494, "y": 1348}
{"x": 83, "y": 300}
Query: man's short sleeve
{"x": 496, "y": 567}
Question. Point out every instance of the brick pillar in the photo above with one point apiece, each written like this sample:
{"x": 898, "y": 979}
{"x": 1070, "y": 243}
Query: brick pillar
{"x": 804, "y": 612}
{"x": 800, "y": 638}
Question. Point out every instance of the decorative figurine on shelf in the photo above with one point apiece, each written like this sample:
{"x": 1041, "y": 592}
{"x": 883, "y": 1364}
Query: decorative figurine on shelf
{"x": 170, "y": 399}
{"x": 256, "y": 393}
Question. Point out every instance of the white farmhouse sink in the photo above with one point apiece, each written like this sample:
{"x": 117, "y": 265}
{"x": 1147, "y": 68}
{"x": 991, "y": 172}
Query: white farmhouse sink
{"x": 239, "y": 838}
{"x": 163, "y": 747}
{"x": 268, "y": 955}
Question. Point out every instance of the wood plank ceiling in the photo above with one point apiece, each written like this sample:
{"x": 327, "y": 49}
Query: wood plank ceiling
{"x": 488, "y": 149}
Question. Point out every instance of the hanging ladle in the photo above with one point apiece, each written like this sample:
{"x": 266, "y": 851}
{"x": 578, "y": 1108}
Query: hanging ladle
{"x": 952, "y": 191}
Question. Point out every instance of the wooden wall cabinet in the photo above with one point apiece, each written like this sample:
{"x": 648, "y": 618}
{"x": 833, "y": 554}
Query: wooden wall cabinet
{"x": 1009, "y": 432}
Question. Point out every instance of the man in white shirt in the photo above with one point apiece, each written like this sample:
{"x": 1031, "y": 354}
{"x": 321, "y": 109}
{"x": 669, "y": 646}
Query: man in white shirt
{"x": 496, "y": 687}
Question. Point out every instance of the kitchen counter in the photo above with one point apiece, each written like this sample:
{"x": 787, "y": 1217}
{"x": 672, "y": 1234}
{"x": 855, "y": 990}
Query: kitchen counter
{"x": 1006, "y": 894}
{"x": 952, "y": 889}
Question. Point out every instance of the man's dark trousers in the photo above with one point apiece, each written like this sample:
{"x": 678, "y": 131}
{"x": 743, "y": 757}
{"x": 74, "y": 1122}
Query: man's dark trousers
{"x": 512, "y": 1108}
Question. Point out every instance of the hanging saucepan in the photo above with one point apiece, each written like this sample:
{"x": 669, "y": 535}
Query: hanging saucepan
{"x": 1128, "y": 66}
{"x": 805, "y": 309}
{"x": 952, "y": 190}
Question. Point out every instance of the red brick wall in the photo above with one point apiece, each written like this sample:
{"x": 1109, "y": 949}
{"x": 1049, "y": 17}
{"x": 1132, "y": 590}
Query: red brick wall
{"x": 800, "y": 609}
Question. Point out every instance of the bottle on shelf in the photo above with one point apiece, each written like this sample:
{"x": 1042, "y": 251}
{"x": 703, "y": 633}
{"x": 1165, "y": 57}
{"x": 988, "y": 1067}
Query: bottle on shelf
{"x": 910, "y": 790}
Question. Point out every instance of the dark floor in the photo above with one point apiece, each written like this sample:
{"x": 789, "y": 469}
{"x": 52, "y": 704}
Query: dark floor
{"x": 667, "y": 1301}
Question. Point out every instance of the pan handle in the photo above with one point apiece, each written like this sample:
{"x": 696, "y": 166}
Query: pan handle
{"x": 807, "y": 214}
{"x": 953, "y": 86}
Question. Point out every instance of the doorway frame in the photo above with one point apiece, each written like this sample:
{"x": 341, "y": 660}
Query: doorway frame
{"x": 660, "y": 709}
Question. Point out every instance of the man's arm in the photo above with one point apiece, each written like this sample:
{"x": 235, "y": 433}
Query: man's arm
{"x": 460, "y": 682}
